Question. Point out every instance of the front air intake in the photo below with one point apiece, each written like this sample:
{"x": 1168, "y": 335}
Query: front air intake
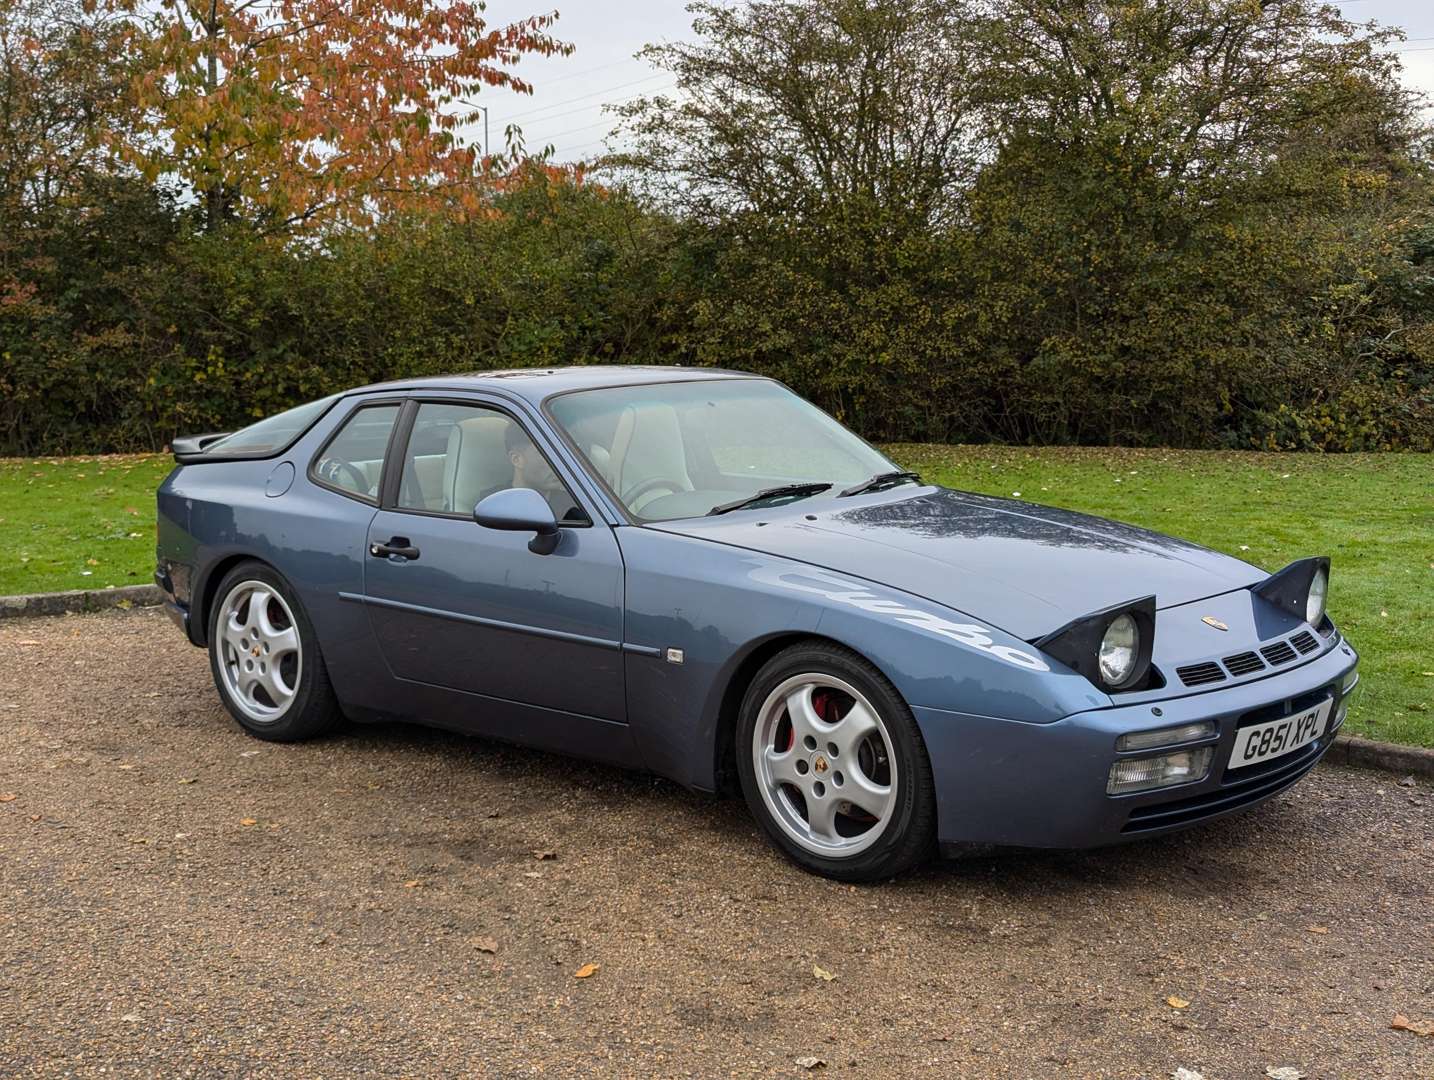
{"x": 1243, "y": 664}
{"x": 1200, "y": 674}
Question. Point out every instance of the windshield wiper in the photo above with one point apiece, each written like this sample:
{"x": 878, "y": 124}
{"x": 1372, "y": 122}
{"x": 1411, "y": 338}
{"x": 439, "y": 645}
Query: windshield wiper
{"x": 769, "y": 493}
{"x": 880, "y": 480}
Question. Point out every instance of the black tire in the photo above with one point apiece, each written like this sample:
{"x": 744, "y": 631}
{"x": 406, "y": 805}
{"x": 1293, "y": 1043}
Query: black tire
{"x": 908, "y": 836}
{"x": 313, "y": 709}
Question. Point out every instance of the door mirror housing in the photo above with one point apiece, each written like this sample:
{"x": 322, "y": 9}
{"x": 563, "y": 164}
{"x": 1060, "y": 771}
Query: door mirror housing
{"x": 520, "y": 510}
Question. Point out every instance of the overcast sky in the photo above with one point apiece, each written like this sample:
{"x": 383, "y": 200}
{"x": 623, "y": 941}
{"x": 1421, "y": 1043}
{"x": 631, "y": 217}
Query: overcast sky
{"x": 565, "y": 109}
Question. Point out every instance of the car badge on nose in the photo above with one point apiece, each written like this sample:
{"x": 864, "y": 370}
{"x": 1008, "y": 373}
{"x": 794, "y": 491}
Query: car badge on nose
{"x": 1210, "y": 620}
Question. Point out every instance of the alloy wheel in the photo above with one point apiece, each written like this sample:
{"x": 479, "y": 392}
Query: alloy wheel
{"x": 260, "y": 654}
{"x": 824, "y": 765}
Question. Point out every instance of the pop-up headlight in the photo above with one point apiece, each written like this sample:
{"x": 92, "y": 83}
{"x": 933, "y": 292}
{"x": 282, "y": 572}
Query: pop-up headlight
{"x": 1300, "y": 588}
{"x": 1111, "y": 648}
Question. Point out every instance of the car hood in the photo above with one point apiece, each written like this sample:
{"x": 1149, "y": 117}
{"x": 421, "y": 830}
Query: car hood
{"x": 1024, "y": 568}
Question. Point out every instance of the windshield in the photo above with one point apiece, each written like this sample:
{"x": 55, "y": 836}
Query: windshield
{"x": 679, "y": 449}
{"x": 274, "y": 433}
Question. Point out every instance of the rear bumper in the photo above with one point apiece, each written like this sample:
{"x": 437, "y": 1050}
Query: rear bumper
{"x": 999, "y": 782}
{"x": 178, "y": 613}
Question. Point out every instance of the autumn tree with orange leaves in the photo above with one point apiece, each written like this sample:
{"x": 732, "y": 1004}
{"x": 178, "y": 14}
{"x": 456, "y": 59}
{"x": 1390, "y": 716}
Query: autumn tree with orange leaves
{"x": 301, "y": 113}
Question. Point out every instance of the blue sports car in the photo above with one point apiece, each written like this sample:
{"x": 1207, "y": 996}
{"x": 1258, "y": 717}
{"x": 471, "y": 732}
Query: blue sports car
{"x": 699, "y": 573}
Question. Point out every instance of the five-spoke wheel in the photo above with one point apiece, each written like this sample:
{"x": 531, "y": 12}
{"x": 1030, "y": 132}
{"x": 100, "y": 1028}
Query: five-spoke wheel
{"x": 265, "y": 658}
{"x": 823, "y": 757}
{"x": 262, "y": 657}
{"x": 833, "y": 766}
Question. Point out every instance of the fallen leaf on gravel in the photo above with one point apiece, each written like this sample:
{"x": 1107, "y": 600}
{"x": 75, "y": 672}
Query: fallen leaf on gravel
{"x": 415, "y": 883}
{"x": 125, "y": 765}
{"x": 542, "y": 856}
{"x": 248, "y": 753}
{"x": 822, "y": 973}
{"x": 246, "y": 822}
{"x": 1284, "y": 1072}
{"x": 189, "y": 780}
{"x": 29, "y": 642}
{"x": 811, "y": 1062}
{"x": 1186, "y": 1074}
{"x": 131, "y": 1018}
{"x": 1177, "y": 1002}
{"x": 587, "y": 971}
{"x": 138, "y": 839}
{"x": 1408, "y": 781}
{"x": 1419, "y": 1027}
{"x": 35, "y": 817}
{"x": 486, "y": 944}
{"x": 1318, "y": 929}
{"x": 8, "y": 796}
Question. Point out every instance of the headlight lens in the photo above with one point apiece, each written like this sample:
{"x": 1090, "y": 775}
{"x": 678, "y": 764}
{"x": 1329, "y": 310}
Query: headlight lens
{"x": 1119, "y": 649}
{"x": 1314, "y": 603}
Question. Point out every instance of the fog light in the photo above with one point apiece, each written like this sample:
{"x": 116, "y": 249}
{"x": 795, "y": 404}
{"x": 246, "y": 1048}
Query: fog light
{"x": 1169, "y": 736}
{"x": 1167, "y": 770}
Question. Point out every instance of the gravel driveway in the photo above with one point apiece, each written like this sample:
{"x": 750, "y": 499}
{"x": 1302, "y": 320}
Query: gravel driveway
{"x": 179, "y": 899}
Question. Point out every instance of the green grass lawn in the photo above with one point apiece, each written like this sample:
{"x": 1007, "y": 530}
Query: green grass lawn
{"x": 72, "y": 523}
{"x": 78, "y": 523}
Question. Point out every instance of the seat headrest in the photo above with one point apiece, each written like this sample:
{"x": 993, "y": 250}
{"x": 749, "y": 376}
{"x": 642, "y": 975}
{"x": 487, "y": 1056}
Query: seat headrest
{"x": 476, "y": 462}
{"x": 649, "y": 445}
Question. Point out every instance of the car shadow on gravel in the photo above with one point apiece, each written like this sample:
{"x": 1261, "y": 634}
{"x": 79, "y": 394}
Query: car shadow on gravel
{"x": 1206, "y": 861}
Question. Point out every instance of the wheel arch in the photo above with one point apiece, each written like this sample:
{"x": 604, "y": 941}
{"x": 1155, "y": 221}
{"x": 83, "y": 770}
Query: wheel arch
{"x": 207, "y": 589}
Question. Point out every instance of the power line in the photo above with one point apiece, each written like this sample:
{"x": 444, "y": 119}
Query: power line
{"x": 589, "y": 71}
{"x": 585, "y": 97}
{"x": 612, "y": 101}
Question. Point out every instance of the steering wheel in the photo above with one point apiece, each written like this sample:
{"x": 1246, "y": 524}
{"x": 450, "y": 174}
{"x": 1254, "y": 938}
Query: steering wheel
{"x": 652, "y": 483}
{"x": 330, "y": 468}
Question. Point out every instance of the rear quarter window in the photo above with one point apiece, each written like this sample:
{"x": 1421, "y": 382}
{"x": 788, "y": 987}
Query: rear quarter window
{"x": 274, "y": 433}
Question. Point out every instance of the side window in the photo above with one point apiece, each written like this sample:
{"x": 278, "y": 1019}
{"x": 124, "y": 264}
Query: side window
{"x": 458, "y": 455}
{"x": 352, "y": 460}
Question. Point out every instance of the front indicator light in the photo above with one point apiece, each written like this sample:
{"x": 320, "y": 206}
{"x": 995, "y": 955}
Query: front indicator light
{"x": 1168, "y": 736}
{"x": 1153, "y": 773}
{"x": 1350, "y": 692}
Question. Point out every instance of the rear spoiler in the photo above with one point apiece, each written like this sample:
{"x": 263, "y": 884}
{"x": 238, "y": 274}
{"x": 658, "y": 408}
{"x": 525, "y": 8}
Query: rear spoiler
{"x": 191, "y": 447}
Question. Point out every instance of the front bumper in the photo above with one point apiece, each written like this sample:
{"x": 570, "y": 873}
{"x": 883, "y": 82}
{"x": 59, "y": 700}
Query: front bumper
{"x": 1007, "y": 783}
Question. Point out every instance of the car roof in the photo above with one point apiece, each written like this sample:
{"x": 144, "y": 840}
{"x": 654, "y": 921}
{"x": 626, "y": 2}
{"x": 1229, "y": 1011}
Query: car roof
{"x": 535, "y": 384}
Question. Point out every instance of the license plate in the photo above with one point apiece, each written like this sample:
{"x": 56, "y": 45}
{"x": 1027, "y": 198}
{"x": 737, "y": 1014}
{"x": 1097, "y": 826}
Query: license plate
{"x": 1275, "y": 738}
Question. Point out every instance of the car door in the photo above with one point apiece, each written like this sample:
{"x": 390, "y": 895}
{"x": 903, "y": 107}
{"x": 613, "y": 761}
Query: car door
{"x": 473, "y": 610}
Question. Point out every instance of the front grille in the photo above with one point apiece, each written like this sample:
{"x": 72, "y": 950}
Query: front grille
{"x": 1231, "y": 796}
{"x": 1200, "y": 674}
{"x": 1243, "y": 663}
{"x": 1305, "y": 641}
{"x": 1278, "y": 653}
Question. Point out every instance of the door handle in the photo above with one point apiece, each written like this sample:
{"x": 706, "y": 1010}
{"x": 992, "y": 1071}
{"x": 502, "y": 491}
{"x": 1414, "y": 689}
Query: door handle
{"x": 396, "y": 547}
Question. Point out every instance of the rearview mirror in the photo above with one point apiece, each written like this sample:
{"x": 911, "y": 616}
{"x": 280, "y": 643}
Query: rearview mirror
{"x": 520, "y": 510}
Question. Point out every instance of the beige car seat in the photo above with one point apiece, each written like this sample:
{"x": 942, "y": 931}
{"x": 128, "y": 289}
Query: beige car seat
{"x": 476, "y": 463}
{"x": 647, "y": 445}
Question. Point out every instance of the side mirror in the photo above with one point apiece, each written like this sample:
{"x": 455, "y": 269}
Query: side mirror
{"x": 520, "y": 510}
